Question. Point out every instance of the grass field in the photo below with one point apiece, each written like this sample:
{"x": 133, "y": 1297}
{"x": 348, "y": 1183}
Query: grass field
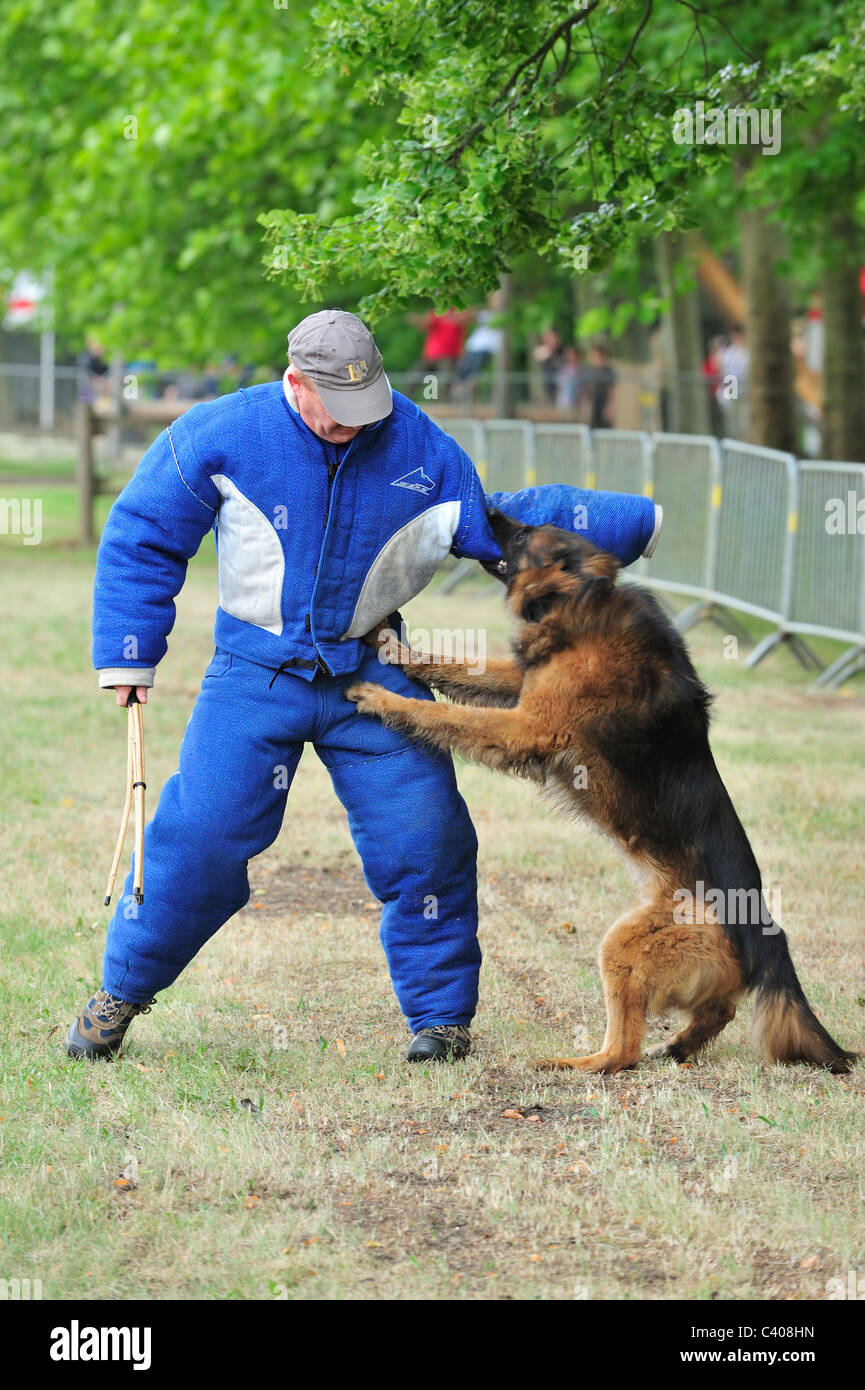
{"x": 262, "y": 1137}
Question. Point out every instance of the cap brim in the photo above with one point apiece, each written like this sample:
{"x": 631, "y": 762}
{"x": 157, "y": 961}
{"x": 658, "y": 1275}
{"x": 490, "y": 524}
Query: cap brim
{"x": 362, "y": 405}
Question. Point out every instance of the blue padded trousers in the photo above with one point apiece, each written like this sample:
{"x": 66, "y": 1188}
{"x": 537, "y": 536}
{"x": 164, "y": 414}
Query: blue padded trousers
{"x": 226, "y": 803}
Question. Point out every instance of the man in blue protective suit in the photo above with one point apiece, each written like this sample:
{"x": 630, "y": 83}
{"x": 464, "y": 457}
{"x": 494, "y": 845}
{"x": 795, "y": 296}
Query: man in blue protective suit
{"x": 334, "y": 500}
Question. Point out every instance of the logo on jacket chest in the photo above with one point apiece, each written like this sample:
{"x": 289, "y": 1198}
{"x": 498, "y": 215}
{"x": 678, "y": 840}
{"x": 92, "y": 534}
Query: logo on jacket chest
{"x": 416, "y": 481}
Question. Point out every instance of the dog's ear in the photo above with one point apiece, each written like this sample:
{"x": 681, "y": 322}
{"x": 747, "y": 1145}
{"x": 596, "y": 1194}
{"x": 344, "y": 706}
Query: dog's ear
{"x": 582, "y": 559}
{"x": 601, "y": 565}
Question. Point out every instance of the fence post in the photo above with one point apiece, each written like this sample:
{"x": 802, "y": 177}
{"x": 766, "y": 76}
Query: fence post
{"x": 530, "y": 461}
{"x": 84, "y": 472}
{"x": 800, "y": 649}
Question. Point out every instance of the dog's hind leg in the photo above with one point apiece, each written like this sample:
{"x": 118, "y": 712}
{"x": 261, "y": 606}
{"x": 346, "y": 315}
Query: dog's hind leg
{"x": 627, "y": 990}
{"x": 652, "y": 962}
{"x": 706, "y": 1023}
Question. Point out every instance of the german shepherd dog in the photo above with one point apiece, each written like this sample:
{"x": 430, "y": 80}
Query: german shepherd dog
{"x": 602, "y": 706}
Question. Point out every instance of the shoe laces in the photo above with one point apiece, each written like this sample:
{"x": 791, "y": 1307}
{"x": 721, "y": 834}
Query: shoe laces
{"x": 452, "y": 1032}
{"x": 110, "y": 1009}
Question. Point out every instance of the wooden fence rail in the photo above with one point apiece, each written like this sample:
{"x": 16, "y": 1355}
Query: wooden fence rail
{"x": 92, "y": 420}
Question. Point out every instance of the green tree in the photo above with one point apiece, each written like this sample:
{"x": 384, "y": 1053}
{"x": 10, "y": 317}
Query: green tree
{"x": 140, "y": 142}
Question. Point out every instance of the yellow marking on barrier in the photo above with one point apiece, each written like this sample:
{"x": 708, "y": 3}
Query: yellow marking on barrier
{"x": 590, "y": 480}
{"x": 649, "y": 490}
{"x": 716, "y": 495}
{"x": 481, "y": 466}
{"x": 793, "y": 522}
{"x": 531, "y": 477}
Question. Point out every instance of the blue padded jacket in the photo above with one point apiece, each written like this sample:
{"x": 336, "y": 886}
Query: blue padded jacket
{"x": 316, "y": 543}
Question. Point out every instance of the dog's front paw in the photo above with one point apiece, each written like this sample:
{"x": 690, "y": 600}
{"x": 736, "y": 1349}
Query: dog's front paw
{"x": 391, "y": 651}
{"x": 369, "y": 697}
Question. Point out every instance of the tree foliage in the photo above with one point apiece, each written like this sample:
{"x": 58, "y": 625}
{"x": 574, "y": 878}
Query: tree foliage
{"x": 141, "y": 141}
{"x": 545, "y": 127}
{"x": 392, "y": 149}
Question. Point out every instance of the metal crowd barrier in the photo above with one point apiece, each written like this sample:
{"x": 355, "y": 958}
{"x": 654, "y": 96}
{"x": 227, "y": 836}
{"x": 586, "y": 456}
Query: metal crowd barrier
{"x": 621, "y": 461}
{"x": 686, "y": 480}
{"x": 746, "y": 529}
{"x": 509, "y": 454}
{"x": 563, "y": 453}
{"x": 756, "y": 541}
{"x": 828, "y": 598}
{"x": 469, "y": 434}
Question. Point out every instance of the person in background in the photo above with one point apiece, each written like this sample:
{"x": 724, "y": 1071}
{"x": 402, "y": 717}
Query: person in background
{"x": 548, "y": 355}
{"x": 481, "y": 346}
{"x": 712, "y": 373}
{"x": 600, "y": 387}
{"x": 95, "y": 369}
{"x": 732, "y": 388}
{"x": 442, "y": 344}
{"x": 569, "y": 379}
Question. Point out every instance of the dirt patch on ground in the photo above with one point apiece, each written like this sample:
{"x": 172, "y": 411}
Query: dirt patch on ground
{"x": 338, "y": 890}
{"x": 302, "y": 890}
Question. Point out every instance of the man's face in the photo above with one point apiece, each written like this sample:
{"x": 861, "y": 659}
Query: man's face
{"x": 314, "y": 415}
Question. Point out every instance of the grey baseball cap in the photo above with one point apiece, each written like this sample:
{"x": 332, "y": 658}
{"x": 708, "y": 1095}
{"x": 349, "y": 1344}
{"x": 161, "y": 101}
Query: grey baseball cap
{"x": 338, "y": 352}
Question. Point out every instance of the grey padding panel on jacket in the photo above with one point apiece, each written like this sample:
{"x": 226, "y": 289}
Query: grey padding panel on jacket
{"x": 404, "y": 565}
{"x": 250, "y": 558}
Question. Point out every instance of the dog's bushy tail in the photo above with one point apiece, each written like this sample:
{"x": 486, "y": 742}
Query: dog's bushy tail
{"x": 785, "y": 1028}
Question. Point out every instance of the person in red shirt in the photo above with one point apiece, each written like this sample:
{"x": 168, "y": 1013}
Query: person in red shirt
{"x": 443, "y": 343}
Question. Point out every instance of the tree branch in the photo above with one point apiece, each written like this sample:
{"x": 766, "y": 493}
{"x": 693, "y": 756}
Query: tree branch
{"x": 562, "y": 30}
{"x": 632, "y": 45}
{"x": 695, "y": 9}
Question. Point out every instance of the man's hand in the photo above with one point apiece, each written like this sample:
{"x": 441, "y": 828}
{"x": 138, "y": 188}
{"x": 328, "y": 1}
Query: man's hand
{"x": 122, "y": 692}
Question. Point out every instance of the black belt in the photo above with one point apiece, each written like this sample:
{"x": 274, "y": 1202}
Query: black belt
{"x": 303, "y": 662}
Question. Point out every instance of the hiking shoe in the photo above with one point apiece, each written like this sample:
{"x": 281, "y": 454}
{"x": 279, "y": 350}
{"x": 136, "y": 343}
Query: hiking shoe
{"x": 100, "y": 1028}
{"x": 445, "y": 1042}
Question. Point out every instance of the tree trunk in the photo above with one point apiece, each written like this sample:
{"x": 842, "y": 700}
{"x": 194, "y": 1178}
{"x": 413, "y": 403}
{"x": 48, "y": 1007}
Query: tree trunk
{"x": 844, "y": 364}
{"x": 682, "y": 339}
{"x": 503, "y": 384}
{"x": 769, "y": 399}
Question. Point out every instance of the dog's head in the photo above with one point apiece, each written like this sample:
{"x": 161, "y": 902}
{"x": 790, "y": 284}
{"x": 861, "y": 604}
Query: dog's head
{"x": 543, "y": 565}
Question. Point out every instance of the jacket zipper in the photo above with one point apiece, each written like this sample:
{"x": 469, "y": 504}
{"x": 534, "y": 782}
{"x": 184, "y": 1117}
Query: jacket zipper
{"x": 333, "y": 467}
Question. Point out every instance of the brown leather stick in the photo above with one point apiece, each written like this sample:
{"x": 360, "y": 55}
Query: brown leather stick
{"x": 135, "y": 787}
